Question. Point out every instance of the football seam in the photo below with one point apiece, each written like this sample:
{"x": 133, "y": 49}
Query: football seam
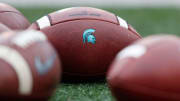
{"x": 84, "y": 19}
{"x": 116, "y": 23}
{"x": 64, "y": 21}
{"x": 12, "y": 12}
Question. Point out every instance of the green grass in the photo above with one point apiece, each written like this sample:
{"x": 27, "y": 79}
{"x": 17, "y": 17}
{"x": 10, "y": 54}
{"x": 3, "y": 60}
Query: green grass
{"x": 146, "y": 21}
{"x": 82, "y": 92}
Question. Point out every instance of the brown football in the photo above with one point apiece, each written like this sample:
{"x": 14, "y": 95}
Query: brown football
{"x": 30, "y": 67}
{"x": 3, "y": 28}
{"x": 147, "y": 70}
{"x": 87, "y": 39}
{"x": 12, "y": 18}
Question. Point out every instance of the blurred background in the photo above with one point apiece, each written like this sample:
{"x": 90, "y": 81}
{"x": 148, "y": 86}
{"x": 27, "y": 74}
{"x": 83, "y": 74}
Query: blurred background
{"x": 95, "y": 3}
{"x": 148, "y": 17}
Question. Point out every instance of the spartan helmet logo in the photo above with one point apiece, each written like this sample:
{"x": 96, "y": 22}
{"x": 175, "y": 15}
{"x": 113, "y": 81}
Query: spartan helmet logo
{"x": 88, "y": 36}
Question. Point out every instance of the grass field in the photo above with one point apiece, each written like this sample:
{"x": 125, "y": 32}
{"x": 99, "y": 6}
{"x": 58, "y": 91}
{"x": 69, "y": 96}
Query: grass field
{"x": 147, "y": 21}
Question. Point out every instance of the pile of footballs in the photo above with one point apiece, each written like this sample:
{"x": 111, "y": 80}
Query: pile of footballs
{"x": 84, "y": 43}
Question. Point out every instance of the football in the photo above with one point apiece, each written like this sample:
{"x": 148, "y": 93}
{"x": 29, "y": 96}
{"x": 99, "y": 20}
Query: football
{"x": 30, "y": 67}
{"x": 87, "y": 39}
{"x": 3, "y": 28}
{"x": 12, "y": 18}
{"x": 147, "y": 70}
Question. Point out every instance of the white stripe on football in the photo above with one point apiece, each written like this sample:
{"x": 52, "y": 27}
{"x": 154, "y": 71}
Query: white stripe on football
{"x": 134, "y": 51}
{"x": 24, "y": 40}
{"x": 20, "y": 66}
{"x": 44, "y": 22}
{"x": 122, "y": 22}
